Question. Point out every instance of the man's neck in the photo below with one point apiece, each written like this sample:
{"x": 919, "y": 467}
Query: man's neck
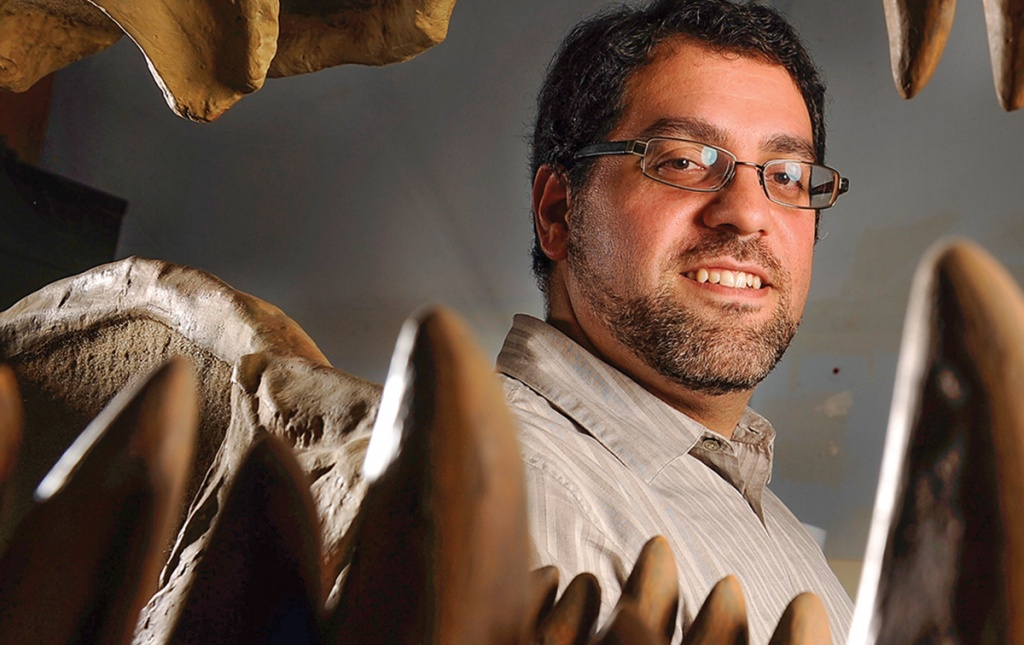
{"x": 720, "y": 413}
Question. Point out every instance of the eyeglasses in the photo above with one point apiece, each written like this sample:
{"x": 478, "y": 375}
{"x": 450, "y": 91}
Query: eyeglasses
{"x": 705, "y": 168}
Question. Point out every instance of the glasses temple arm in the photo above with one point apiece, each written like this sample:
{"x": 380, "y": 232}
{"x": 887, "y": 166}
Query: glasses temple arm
{"x": 610, "y": 148}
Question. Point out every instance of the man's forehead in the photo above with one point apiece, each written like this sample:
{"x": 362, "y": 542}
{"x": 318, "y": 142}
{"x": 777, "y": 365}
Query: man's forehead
{"x": 658, "y": 75}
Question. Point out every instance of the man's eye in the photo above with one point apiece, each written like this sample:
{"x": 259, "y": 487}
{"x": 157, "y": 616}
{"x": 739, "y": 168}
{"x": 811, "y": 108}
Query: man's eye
{"x": 790, "y": 176}
{"x": 679, "y": 163}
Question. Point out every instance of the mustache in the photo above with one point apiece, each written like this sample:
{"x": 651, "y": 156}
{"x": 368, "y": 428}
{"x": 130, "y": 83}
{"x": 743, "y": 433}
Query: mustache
{"x": 717, "y": 245}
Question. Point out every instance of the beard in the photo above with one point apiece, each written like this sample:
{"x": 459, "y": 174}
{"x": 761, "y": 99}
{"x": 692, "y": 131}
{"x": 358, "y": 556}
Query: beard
{"x": 716, "y": 352}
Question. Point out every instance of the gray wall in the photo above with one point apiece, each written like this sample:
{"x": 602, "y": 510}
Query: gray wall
{"x": 350, "y": 197}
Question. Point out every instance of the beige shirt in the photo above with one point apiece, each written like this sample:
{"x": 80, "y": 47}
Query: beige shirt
{"x": 609, "y": 465}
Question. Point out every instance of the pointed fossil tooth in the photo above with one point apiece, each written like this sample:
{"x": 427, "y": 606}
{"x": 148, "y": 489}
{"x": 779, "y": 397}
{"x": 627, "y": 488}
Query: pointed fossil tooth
{"x": 805, "y": 622}
{"x": 953, "y": 464}
{"x": 445, "y": 510}
{"x": 1005, "y": 22}
{"x": 542, "y": 593}
{"x": 111, "y": 498}
{"x": 653, "y": 586}
{"x": 626, "y": 627}
{"x": 722, "y": 618}
{"x": 267, "y": 529}
{"x": 918, "y": 30}
{"x": 11, "y": 424}
{"x": 573, "y": 619}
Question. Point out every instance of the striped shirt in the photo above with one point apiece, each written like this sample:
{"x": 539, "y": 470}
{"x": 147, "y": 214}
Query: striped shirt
{"x": 609, "y": 465}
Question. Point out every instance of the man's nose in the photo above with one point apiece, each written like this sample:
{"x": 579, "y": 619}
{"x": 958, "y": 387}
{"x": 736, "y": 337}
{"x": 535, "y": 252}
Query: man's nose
{"x": 741, "y": 205}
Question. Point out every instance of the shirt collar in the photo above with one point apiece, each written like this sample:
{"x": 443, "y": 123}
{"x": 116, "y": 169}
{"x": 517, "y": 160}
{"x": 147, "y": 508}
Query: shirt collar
{"x": 641, "y": 430}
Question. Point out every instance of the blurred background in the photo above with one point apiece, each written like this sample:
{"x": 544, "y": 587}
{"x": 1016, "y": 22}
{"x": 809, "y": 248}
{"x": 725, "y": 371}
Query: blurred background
{"x": 353, "y": 196}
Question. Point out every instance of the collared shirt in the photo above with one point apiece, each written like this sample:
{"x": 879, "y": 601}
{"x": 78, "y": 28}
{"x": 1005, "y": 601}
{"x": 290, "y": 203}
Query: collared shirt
{"x": 609, "y": 465}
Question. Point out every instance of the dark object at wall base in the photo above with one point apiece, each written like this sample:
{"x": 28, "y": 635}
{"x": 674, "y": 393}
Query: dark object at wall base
{"x": 50, "y": 227}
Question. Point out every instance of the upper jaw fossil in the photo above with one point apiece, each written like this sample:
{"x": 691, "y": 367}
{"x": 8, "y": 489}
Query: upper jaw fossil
{"x": 206, "y": 55}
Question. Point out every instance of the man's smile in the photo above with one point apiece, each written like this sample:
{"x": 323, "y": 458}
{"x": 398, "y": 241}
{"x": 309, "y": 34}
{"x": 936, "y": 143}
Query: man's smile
{"x": 726, "y": 278}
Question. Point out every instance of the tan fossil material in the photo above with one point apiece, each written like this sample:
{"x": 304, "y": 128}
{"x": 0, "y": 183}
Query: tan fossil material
{"x": 205, "y": 55}
{"x": 1005, "y": 22}
{"x": 805, "y": 622}
{"x": 77, "y": 342}
{"x": 41, "y": 36}
{"x": 945, "y": 554}
{"x": 320, "y": 34}
{"x": 949, "y": 511}
{"x": 918, "y": 30}
{"x": 86, "y": 557}
{"x": 442, "y": 530}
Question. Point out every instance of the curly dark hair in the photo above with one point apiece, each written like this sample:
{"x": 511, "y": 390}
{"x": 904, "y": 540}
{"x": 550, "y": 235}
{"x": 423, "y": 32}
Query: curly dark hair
{"x": 582, "y": 97}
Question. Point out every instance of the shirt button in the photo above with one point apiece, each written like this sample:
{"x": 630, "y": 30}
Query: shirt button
{"x": 710, "y": 444}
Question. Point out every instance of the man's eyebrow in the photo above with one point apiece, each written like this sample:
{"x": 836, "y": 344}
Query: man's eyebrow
{"x": 789, "y": 145}
{"x": 686, "y": 127}
{"x": 707, "y": 132}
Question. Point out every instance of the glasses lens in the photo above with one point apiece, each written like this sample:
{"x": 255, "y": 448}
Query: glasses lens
{"x": 801, "y": 184}
{"x": 687, "y": 164}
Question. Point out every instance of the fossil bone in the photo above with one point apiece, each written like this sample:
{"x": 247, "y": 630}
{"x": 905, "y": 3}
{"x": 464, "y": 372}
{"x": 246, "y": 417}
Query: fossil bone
{"x": 653, "y": 586}
{"x": 12, "y": 419}
{"x": 805, "y": 622}
{"x": 325, "y": 33}
{"x": 442, "y": 528}
{"x": 86, "y": 558}
{"x": 722, "y": 619}
{"x": 626, "y": 627}
{"x": 1005, "y": 22}
{"x": 543, "y": 589}
{"x": 76, "y": 342}
{"x": 918, "y": 30}
{"x": 205, "y": 55}
{"x": 573, "y": 619}
{"x": 41, "y": 36}
{"x": 260, "y": 574}
{"x": 945, "y": 556}
{"x": 950, "y": 518}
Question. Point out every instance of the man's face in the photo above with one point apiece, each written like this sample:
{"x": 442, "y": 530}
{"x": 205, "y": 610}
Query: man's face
{"x": 639, "y": 251}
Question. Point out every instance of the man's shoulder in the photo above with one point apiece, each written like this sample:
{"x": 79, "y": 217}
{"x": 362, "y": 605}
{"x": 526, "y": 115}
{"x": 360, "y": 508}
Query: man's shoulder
{"x": 540, "y": 423}
{"x": 569, "y": 473}
{"x": 558, "y": 451}
{"x": 520, "y": 397}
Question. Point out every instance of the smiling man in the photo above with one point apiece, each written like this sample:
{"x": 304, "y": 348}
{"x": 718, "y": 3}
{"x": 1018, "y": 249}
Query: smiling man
{"x": 678, "y": 179}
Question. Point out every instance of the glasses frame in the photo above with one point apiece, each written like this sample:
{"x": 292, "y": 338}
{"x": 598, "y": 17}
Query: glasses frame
{"x": 639, "y": 147}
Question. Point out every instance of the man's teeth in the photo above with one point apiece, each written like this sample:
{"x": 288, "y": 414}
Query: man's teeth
{"x": 726, "y": 278}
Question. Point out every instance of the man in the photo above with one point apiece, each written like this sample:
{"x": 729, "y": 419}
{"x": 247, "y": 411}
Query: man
{"x": 677, "y": 187}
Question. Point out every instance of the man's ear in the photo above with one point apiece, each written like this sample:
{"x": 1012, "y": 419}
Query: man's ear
{"x": 550, "y": 207}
